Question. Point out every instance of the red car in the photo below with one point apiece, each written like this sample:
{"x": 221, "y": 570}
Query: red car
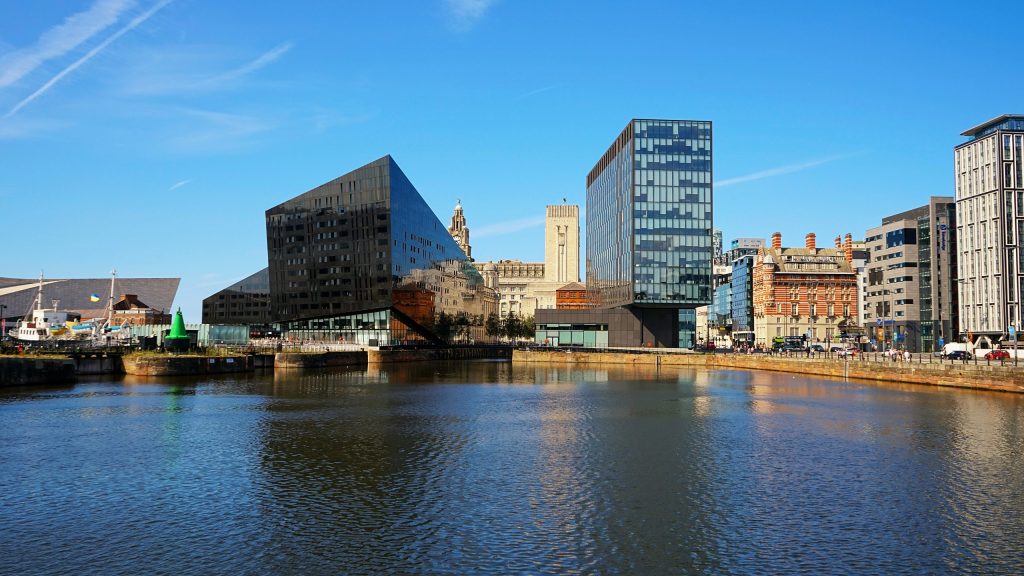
{"x": 997, "y": 355}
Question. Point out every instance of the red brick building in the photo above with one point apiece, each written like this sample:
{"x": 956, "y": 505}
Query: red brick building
{"x": 572, "y": 296}
{"x": 807, "y": 291}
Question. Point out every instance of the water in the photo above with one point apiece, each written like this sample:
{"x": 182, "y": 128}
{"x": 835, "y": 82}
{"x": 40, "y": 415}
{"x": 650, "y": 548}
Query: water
{"x": 483, "y": 467}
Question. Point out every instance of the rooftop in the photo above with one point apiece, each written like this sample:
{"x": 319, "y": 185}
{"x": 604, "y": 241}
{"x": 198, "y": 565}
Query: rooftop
{"x": 1006, "y": 122}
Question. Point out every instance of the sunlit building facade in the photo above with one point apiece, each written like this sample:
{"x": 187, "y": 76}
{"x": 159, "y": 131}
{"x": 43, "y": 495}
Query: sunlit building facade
{"x": 649, "y": 229}
{"x": 363, "y": 259}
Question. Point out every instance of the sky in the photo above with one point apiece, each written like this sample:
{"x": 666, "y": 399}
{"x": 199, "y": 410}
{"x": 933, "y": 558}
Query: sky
{"x": 151, "y": 135}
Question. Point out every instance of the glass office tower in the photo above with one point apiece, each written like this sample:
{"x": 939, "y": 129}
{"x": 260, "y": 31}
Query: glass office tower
{"x": 363, "y": 259}
{"x": 649, "y": 220}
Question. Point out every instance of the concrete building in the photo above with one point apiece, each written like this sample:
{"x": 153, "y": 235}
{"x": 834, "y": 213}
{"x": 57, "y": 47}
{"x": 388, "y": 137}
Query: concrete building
{"x": 649, "y": 239}
{"x": 911, "y": 296}
{"x": 363, "y": 258}
{"x": 989, "y": 175}
{"x": 525, "y": 287}
{"x": 805, "y": 292}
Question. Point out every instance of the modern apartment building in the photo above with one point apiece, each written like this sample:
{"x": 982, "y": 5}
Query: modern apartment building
{"x": 989, "y": 173}
{"x": 809, "y": 292}
{"x": 911, "y": 296}
{"x": 363, "y": 258}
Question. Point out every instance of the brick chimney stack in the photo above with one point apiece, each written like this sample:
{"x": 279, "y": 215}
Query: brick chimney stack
{"x": 809, "y": 242}
{"x": 848, "y": 248}
{"x": 839, "y": 242}
{"x": 777, "y": 240}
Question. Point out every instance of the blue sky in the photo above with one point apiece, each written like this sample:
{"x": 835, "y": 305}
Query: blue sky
{"x": 151, "y": 135}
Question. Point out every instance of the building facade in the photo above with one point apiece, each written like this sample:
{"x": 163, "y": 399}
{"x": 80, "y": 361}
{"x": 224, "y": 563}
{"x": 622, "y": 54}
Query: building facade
{"x": 743, "y": 299}
{"x": 910, "y": 290}
{"x": 649, "y": 225}
{"x": 363, "y": 259}
{"x": 809, "y": 292}
{"x": 525, "y": 287}
{"x": 572, "y": 296}
{"x": 720, "y": 310}
{"x": 989, "y": 175}
{"x": 244, "y": 302}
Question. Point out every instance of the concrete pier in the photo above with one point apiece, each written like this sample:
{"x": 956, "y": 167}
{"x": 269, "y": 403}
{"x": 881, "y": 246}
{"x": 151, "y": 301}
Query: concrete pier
{"x": 167, "y": 365}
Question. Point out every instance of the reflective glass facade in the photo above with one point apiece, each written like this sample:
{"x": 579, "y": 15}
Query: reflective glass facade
{"x": 743, "y": 299}
{"x": 649, "y": 217}
{"x": 366, "y": 243}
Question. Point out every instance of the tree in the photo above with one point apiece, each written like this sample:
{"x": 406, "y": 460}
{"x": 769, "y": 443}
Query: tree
{"x": 493, "y": 325}
{"x": 512, "y": 327}
{"x": 461, "y": 325}
{"x": 444, "y": 325}
{"x": 529, "y": 328}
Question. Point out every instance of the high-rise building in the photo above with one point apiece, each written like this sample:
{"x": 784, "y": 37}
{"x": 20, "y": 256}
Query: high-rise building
{"x": 805, "y": 292}
{"x": 460, "y": 231}
{"x": 525, "y": 287}
{"x": 910, "y": 291}
{"x": 989, "y": 172}
{"x": 649, "y": 237}
{"x": 716, "y": 246}
{"x": 741, "y": 257}
{"x": 362, "y": 258}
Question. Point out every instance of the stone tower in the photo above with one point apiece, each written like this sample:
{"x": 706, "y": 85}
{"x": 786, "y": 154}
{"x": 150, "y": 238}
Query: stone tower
{"x": 459, "y": 230}
{"x": 562, "y": 244}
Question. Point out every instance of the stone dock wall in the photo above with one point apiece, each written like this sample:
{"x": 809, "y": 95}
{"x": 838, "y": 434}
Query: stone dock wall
{"x": 979, "y": 376}
{"x": 33, "y": 371}
{"x": 153, "y": 365}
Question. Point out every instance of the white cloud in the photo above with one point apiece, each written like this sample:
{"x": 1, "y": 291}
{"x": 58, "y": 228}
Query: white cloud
{"x": 217, "y": 131}
{"x": 264, "y": 59}
{"x": 789, "y": 169}
{"x": 464, "y": 14}
{"x": 188, "y": 70}
{"x": 538, "y": 91}
{"x": 507, "y": 227}
{"x": 131, "y": 25}
{"x": 178, "y": 185}
{"x": 61, "y": 39}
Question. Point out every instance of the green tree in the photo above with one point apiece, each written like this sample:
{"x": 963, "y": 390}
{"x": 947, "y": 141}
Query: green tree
{"x": 462, "y": 326}
{"x": 512, "y": 327}
{"x": 493, "y": 325}
{"x": 529, "y": 330}
{"x": 444, "y": 325}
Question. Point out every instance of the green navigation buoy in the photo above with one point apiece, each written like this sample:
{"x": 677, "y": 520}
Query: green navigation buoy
{"x": 177, "y": 339}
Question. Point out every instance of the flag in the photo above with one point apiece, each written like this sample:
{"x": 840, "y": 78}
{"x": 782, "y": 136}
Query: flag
{"x": 94, "y": 297}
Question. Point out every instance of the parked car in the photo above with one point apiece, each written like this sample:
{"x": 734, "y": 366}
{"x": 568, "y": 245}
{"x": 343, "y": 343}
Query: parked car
{"x": 997, "y": 355}
{"x": 959, "y": 355}
{"x": 817, "y": 348}
{"x": 836, "y": 349}
{"x": 847, "y": 353}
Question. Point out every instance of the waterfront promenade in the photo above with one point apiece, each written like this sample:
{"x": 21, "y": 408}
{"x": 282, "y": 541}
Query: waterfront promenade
{"x": 921, "y": 369}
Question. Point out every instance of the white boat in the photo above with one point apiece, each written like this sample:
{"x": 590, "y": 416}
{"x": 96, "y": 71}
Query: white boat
{"x": 43, "y": 324}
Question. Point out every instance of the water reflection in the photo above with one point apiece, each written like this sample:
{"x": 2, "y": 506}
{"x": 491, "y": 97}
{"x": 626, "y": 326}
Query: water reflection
{"x": 486, "y": 467}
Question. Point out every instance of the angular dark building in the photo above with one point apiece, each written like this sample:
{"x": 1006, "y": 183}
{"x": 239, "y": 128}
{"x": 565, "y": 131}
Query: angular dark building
{"x": 363, "y": 259}
{"x": 649, "y": 235}
{"x": 244, "y": 302}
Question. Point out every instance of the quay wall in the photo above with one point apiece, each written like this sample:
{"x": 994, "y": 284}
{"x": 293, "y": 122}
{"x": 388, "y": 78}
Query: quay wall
{"x": 152, "y": 365}
{"x": 953, "y": 374}
{"x": 307, "y": 360}
{"x": 460, "y": 353}
{"x": 29, "y": 371}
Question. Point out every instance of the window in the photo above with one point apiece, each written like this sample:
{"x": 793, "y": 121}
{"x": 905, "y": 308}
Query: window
{"x": 794, "y": 309}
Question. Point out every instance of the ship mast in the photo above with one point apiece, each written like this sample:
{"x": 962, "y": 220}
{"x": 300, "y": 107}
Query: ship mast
{"x": 39, "y": 294}
{"x": 110, "y": 304}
